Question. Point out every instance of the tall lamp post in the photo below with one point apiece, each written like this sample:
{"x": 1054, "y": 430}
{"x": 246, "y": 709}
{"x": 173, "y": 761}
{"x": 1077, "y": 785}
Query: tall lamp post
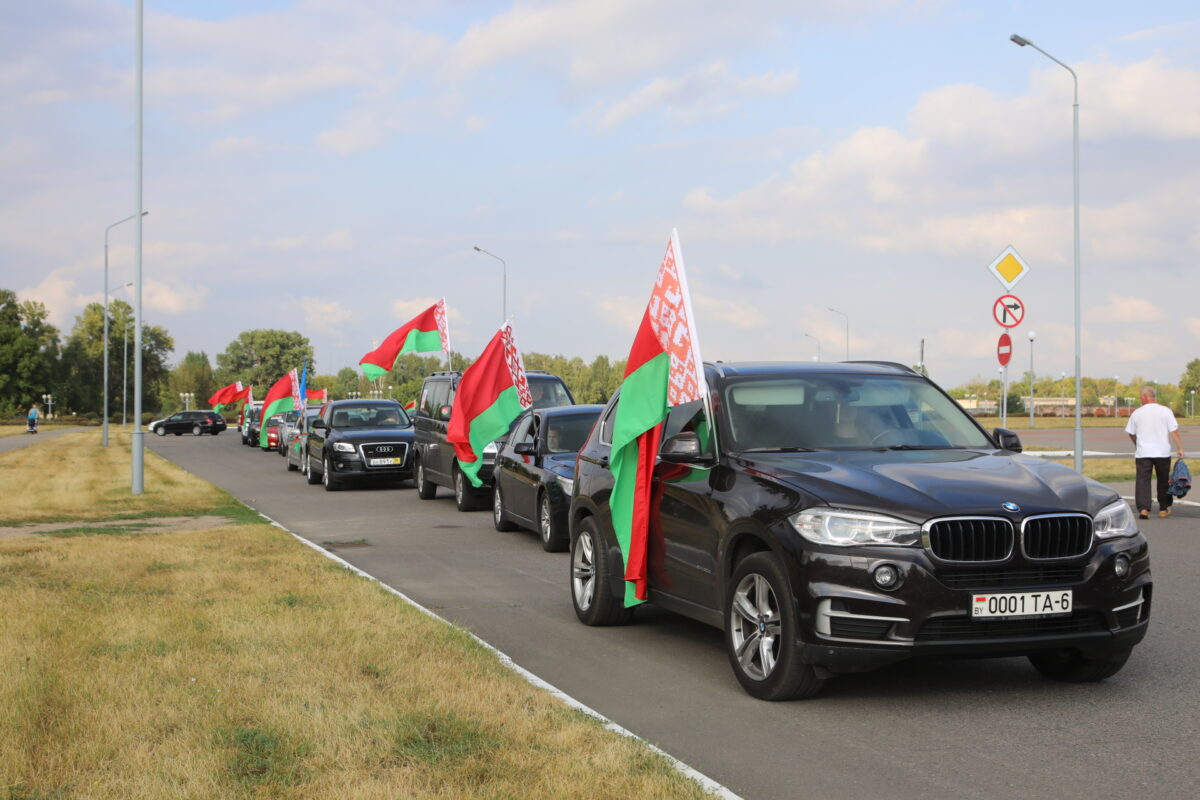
{"x": 106, "y": 291}
{"x": 504, "y": 280}
{"x": 125, "y": 377}
{"x": 1022, "y": 42}
{"x": 818, "y": 341}
{"x": 1032, "y": 336}
{"x": 847, "y": 319}
{"x": 48, "y": 399}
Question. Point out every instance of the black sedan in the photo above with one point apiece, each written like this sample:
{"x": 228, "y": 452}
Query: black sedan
{"x": 196, "y": 423}
{"x": 535, "y": 471}
{"x": 357, "y": 440}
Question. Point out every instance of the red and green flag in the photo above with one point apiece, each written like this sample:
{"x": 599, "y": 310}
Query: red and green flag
{"x": 491, "y": 394}
{"x": 424, "y": 333}
{"x": 663, "y": 370}
{"x": 278, "y": 400}
{"x": 320, "y": 395}
{"x": 224, "y": 395}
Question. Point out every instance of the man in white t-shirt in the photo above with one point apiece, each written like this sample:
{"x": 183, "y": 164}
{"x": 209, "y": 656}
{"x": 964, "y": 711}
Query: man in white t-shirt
{"x": 1151, "y": 428}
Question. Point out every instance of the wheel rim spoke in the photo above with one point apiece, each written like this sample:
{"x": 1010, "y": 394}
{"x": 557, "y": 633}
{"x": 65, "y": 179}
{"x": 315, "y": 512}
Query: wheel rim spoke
{"x": 744, "y": 608}
{"x": 762, "y": 596}
{"x": 746, "y": 650}
{"x": 766, "y": 653}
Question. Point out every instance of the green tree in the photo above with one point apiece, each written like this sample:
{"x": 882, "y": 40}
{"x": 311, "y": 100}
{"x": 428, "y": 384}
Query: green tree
{"x": 81, "y": 382}
{"x": 261, "y": 357}
{"x": 192, "y": 375}
{"x": 28, "y": 352}
{"x": 1189, "y": 386}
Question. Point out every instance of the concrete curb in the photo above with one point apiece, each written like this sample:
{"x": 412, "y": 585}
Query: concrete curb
{"x": 706, "y": 782}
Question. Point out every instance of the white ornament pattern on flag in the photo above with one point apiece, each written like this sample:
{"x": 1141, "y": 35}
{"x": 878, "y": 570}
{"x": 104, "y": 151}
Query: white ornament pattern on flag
{"x": 516, "y": 365}
{"x": 295, "y": 376}
{"x": 439, "y": 313}
{"x": 668, "y": 311}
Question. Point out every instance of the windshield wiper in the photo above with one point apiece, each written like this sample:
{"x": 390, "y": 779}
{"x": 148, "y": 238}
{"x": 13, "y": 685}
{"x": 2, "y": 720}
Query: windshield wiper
{"x": 920, "y": 447}
{"x": 777, "y": 450}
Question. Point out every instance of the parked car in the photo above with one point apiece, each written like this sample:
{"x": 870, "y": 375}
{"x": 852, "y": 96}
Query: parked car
{"x": 274, "y": 426}
{"x": 297, "y": 439}
{"x": 359, "y": 439}
{"x": 197, "y": 423}
{"x": 436, "y": 464}
{"x": 839, "y": 517}
{"x": 250, "y": 425}
{"x": 535, "y": 471}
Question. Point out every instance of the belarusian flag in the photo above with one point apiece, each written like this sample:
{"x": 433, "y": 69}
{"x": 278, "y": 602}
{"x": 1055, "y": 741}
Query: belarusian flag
{"x": 491, "y": 394}
{"x": 410, "y": 406}
{"x": 320, "y": 395}
{"x": 425, "y": 333}
{"x": 223, "y": 395}
{"x": 663, "y": 370}
{"x": 278, "y": 400}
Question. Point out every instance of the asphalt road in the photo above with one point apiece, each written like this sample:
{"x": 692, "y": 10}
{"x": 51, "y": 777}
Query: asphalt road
{"x": 966, "y": 729}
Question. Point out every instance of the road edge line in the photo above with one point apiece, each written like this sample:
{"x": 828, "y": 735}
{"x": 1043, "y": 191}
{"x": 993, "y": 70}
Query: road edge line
{"x": 687, "y": 771}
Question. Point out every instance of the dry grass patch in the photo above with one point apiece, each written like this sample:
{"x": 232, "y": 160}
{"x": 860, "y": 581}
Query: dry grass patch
{"x": 73, "y": 477}
{"x": 236, "y": 662}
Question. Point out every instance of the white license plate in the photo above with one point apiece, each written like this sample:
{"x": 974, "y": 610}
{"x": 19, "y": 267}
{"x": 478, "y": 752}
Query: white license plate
{"x": 1021, "y": 604}
{"x": 386, "y": 462}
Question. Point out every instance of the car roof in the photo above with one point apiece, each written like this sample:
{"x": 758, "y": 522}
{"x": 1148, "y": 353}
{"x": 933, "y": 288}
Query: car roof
{"x": 567, "y": 411}
{"x": 739, "y": 369}
{"x": 364, "y": 402}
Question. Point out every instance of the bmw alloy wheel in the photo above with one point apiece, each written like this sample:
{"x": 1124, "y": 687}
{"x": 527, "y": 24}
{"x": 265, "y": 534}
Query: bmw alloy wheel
{"x": 583, "y": 571}
{"x": 754, "y": 626}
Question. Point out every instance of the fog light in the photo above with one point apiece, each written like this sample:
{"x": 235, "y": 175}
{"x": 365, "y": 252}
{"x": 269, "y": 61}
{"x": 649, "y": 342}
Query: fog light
{"x": 1121, "y": 566}
{"x": 886, "y": 576}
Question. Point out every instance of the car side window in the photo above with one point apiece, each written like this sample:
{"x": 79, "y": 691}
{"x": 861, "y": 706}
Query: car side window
{"x": 690, "y": 417}
{"x": 524, "y": 430}
{"x": 606, "y": 424}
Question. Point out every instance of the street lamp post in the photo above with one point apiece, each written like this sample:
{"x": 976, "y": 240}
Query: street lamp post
{"x": 1032, "y": 336}
{"x": 818, "y": 341}
{"x": 125, "y": 377}
{"x": 1003, "y": 397}
{"x": 48, "y": 399}
{"x": 1022, "y": 41}
{"x": 847, "y": 318}
{"x": 504, "y": 281}
{"x": 104, "y": 437}
{"x": 186, "y": 398}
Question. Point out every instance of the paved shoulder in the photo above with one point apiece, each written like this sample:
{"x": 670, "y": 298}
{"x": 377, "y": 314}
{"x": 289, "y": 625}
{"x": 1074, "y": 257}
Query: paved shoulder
{"x": 19, "y": 440}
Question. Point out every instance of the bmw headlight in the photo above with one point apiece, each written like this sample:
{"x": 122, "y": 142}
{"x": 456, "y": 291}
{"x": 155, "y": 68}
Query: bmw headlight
{"x": 343, "y": 447}
{"x": 490, "y": 448}
{"x": 850, "y": 528}
{"x": 567, "y": 484}
{"x": 1115, "y": 519}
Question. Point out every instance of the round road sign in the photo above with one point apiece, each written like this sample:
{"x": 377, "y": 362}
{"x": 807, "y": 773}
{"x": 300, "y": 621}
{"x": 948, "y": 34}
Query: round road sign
{"x": 1004, "y": 349}
{"x": 1008, "y": 311}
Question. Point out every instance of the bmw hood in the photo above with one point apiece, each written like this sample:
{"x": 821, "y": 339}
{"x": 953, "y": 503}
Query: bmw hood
{"x": 921, "y": 484}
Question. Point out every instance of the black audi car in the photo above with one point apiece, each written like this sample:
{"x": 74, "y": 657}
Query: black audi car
{"x": 835, "y": 518}
{"x": 534, "y": 472}
{"x": 352, "y": 440}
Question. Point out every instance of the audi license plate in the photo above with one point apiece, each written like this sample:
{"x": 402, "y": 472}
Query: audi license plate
{"x": 1021, "y": 604}
{"x": 386, "y": 462}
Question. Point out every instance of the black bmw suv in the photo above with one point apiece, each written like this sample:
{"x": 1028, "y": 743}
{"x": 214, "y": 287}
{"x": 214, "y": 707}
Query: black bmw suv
{"x": 436, "y": 464}
{"x": 354, "y": 440}
{"x": 840, "y": 517}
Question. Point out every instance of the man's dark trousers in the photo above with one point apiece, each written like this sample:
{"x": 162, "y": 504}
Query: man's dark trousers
{"x": 1162, "y": 472}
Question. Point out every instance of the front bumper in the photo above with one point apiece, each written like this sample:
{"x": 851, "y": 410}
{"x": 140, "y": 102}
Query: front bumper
{"x": 356, "y": 465}
{"x": 848, "y": 624}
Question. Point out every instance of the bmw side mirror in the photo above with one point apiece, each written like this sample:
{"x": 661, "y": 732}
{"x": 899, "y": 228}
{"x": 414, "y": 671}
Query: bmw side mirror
{"x": 1007, "y": 440}
{"x": 319, "y": 424}
{"x": 444, "y": 413}
{"x": 682, "y": 448}
{"x": 525, "y": 449}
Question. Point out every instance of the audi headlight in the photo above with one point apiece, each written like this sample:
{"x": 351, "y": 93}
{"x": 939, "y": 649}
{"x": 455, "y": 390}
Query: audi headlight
{"x": 490, "y": 448}
{"x": 850, "y": 528}
{"x": 1115, "y": 519}
{"x": 567, "y": 484}
{"x": 343, "y": 447}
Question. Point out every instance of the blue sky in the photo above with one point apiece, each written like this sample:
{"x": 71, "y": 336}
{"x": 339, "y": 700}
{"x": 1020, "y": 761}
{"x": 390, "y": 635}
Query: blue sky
{"x": 327, "y": 166}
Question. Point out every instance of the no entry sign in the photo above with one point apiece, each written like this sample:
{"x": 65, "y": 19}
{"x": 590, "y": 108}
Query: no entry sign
{"x": 1008, "y": 311}
{"x": 1004, "y": 349}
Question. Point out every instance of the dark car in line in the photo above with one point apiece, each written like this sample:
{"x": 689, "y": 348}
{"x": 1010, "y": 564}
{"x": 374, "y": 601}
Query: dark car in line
{"x": 534, "y": 472}
{"x": 250, "y": 425}
{"x": 834, "y": 518}
{"x": 357, "y": 440}
{"x": 197, "y": 423}
{"x": 436, "y": 464}
{"x": 295, "y": 446}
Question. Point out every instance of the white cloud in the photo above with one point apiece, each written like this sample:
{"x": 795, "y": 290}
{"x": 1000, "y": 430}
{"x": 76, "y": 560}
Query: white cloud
{"x": 326, "y": 316}
{"x": 738, "y": 313}
{"x": 1193, "y": 326}
{"x": 407, "y": 309}
{"x": 707, "y": 91}
{"x": 231, "y": 145}
{"x": 622, "y": 311}
{"x": 175, "y": 298}
{"x": 1125, "y": 308}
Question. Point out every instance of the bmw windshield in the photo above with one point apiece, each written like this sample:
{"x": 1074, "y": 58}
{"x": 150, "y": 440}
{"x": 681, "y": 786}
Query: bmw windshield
{"x": 845, "y": 412}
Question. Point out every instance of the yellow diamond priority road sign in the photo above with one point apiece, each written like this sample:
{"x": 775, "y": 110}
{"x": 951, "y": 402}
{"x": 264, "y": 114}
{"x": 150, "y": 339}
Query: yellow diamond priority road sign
{"x": 1009, "y": 267}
